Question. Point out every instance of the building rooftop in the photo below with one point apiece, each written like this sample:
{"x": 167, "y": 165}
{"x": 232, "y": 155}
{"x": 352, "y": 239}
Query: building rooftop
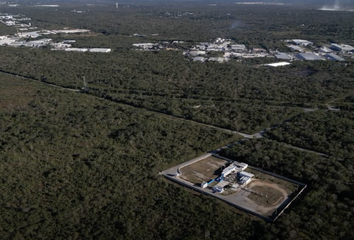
{"x": 246, "y": 174}
{"x": 334, "y": 57}
{"x": 282, "y": 55}
{"x": 309, "y": 56}
{"x": 296, "y": 48}
{"x": 278, "y": 64}
{"x": 342, "y": 47}
{"x": 100, "y": 50}
{"x": 301, "y": 42}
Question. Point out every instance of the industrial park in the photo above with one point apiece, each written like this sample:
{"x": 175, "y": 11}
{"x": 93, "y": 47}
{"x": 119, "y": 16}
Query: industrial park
{"x": 219, "y": 50}
{"x": 247, "y": 188}
{"x": 26, "y": 32}
{"x": 223, "y": 50}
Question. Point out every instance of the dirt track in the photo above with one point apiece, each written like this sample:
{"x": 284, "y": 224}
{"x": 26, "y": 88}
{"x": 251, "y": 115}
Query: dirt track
{"x": 272, "y": 185}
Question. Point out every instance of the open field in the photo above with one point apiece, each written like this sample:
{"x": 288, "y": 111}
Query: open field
{"x": 204, "y": 170}
{"x": 289, "y": 187}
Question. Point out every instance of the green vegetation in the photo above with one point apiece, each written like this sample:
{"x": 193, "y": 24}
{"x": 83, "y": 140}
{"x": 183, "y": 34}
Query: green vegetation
{"x": 166, "y": 82}
{"x": 81, "y": 166}
{"x": 330, "y": 132}
{"x": 328, "y": 201}
{"x": 72, "y": 165}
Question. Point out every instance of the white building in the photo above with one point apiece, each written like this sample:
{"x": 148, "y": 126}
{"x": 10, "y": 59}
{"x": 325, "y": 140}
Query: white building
{"x": 10, "y": 23}
{"x": 333, "y": 57}
{"x": 220, "y": 186}
{"x": 238, "y": 47}
{"x": 217, "y": 59}
{"x": 76, "y": 49}
{"x": 309, "y": 56}
{"x": 46, "y": 5}
{"x": 296, "y": 48}
{"x": 278, "y": 64}
{"x": 229, "y": 170}
{"x": 7, "y": 41}
{"x": 29, "y": 34}
{"x": 197, "y": 53}
{"x": 38, "y": 43}
{"x": 100, "y": 50}
{"x": 241, "y": 165}
{"x": 69, "y": 41}
{"x": 301, "y": 42}
{"x": 283, "y": 56}
{"x": 60, "y": 46}
{"x": 325, "y": 50}
{"x": 342, "y": 47}
{"x": 144, "y": 45}
{"x": 72, "y": 31}
{"x": 199, "y": 59}
{"x": 244, "y": 177}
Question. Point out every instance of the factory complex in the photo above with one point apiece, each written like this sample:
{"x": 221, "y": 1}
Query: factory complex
{"x": 222, "y": 50}
{"x": 219, "y": 50}
{"x": 232, "y": 175}
{"x": 29, "y": 36}
{"x": 247, "y": 188}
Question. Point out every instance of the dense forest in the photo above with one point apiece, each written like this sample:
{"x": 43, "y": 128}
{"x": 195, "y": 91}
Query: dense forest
{"x": 73, "y": 165}
{"x": 166, "y": 82}
{"x": 330, "y": 132}
{"x": 84, "y": 165}
{"x": 325, "y": 210}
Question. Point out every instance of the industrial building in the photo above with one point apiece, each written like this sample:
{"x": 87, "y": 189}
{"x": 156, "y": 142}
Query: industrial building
{"x": 296, "y": 48}
{"x": 100, "y": 50}
{"x": 199, "y": 59}
{"x": 217, "y": 59}
{"x": 220, "y": 186}
{"x": 301, "y": 42}
{"x": 278, "y": 64}
{"x": 29, "y": 34}
{"x": 38, "y": 43}
{"x": 7, "y": 41}
{"x": 243, "y": 178}
{"x": 233, "y": 175}
{"x": 334, "y": 57}
{"x": 283, "y": 56}
{"x": 144, "y": 45}
{"x": 325, "y": 50}
{"x": 238, "y": 47}
{"x": 197, "y": 53}
{"x": 342, "y": 47}
{"x": 309, "y": 57}
{"x": 76, "y": 49}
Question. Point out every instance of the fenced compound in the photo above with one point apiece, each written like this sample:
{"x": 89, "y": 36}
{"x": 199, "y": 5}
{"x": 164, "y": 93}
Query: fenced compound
{"x": 266, "y": 196}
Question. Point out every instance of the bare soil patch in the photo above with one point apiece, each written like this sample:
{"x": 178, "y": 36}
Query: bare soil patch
{"x": 204, "y": 170}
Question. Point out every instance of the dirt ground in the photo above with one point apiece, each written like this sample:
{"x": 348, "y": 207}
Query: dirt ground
{"x": 267, "y": 196}
{"x": 273, "y": 195}
{"x": 204, "y": 170}
{"x": 289, "y": 187}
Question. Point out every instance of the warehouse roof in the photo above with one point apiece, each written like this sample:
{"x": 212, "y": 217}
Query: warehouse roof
{"x": 309, "y": 56}
{"x": 281, "y": 55}
{"x": 278, "y": 64}
{"x": 334, "y": 57}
